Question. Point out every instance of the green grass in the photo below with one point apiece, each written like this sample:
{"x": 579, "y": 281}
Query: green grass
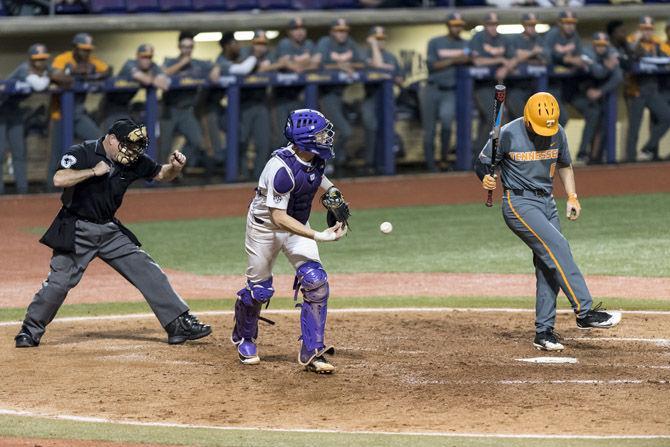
{"x": 388, "y": 302}
{"x": 615, "y": 236}
{"x": 624, "y": 235}
{"x": 14, "y": 426}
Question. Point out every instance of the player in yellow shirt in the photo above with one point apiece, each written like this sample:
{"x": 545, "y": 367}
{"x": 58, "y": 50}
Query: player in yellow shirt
{"x": 68, "y": 68}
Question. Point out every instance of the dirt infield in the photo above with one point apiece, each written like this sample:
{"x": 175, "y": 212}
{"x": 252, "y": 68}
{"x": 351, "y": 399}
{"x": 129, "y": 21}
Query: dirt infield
{"x": 397, "y": 371}
{"x": 25, "y": 262}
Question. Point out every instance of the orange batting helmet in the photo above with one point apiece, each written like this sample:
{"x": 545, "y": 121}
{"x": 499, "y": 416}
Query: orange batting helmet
{"x": 541, "y": 114}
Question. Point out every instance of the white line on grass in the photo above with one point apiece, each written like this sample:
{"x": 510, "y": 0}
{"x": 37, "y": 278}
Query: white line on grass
{"x": 361, "y": 310}
{"x": 10, "y": 412}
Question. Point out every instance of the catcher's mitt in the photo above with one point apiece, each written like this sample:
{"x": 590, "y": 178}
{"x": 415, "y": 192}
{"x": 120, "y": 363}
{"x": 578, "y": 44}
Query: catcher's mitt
{"x": 338, "y": 209}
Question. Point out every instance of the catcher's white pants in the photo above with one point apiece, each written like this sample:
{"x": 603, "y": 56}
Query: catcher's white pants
{"x": 263, "y": 243}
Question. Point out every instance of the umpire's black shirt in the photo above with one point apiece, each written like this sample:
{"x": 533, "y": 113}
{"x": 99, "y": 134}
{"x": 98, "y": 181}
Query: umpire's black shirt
{"x": 96, "y": 199}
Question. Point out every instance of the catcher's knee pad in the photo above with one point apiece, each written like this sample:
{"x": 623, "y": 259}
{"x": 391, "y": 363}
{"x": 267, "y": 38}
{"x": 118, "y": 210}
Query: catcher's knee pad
{"x": 259, "y": 292}
{"x": 312, "y": 279}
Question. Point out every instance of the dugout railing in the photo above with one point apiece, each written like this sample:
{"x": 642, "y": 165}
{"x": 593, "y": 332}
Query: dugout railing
{"x": 234, "y": 87}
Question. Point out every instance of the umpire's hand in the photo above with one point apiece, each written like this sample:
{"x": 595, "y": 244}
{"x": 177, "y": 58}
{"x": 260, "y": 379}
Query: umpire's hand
{"x": 177, "y": 160}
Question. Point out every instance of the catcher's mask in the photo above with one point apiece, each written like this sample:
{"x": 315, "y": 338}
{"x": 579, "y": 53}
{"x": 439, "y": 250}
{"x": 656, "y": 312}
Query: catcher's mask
{"x": 311, "y": 132}
{"x": 133, "y": 140}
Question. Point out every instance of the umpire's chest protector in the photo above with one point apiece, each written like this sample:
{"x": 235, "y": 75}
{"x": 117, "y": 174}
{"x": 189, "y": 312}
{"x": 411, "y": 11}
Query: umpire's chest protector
{"x": 306, "y": 181}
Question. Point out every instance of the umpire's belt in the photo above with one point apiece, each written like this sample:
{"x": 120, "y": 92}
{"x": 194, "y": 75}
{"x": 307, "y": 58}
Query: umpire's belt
{"x": 88, "y": 219}
{"x": 529, "y": 192}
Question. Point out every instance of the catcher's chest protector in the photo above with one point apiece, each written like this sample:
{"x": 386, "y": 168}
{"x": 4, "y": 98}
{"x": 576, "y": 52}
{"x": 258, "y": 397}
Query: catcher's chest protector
{"x": 307, "y": 180}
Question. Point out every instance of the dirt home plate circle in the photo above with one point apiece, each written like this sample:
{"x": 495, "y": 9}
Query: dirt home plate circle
{"x": 386, "y": 227}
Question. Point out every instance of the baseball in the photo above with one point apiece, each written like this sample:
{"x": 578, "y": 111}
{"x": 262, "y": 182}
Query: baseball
{"x": 386, "y": 227}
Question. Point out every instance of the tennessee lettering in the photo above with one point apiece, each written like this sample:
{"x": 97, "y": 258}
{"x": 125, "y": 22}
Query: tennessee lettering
{"x": 549, "y": 154}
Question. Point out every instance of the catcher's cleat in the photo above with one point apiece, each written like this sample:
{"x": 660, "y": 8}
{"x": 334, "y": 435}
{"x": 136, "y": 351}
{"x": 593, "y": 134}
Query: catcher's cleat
{"x": 314, "y": 360}
{"x": 25, "y": 340}
{"x": 598, "y": 318}
{"x": 547, "y": 341}
{"x": 320, "y": 365}
{"x": 186, "y": 327}
{"x": 248, "y": 352}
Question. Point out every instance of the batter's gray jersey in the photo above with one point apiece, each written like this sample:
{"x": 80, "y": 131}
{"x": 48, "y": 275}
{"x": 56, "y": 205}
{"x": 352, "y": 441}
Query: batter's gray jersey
{"x": 521, "y": 165}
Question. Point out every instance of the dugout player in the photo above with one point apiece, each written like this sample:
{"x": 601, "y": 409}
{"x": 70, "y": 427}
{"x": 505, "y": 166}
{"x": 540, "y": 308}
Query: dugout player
{"x": 491, "y": 49}
{"x": 69, "y": 68}
{"x": 338, "y": 51}
{"x": 278, "y": 220}
{"x": 178, "y": 113}
{"x": 296, "y": 51}
{"x": 95, "y": 175}
{"x": 531, "y": 149}
{"x": 438, "y": 99}
{"x": 34, "y": 73}
{"x": 645, "y": 92}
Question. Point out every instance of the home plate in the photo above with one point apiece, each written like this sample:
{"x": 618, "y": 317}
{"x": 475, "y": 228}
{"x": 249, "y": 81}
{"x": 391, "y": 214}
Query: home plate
{"x": 549, "y": 360}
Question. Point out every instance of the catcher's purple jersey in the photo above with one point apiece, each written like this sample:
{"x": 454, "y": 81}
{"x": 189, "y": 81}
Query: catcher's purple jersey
{"x": 287, "y": 183}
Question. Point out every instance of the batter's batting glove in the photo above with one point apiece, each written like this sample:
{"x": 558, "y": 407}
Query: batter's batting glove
{"x": 489, "y": 182}
{"x": 574, "y": 208}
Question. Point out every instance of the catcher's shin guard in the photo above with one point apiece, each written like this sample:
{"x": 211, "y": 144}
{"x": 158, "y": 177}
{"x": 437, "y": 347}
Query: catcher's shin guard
{"x": 247, "y": 313}
{"x": 314, "y": 285}
{"x": 246, "y": 321}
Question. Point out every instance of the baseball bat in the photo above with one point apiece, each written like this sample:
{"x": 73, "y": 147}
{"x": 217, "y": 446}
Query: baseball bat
{"x": 500, "y": 93}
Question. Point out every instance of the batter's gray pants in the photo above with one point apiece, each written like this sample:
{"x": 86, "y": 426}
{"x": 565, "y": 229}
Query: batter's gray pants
{"x": 535, "y": 221}
{"x": 108, "y": 243}
{"x": 436, "y": 104}
{"x": 12, "y": 136}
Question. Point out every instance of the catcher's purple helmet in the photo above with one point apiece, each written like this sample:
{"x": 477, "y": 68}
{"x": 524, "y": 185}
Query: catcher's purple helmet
{"x": 310, "y": 131}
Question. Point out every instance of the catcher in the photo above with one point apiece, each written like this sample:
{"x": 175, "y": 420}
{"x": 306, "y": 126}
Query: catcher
{"x": 95, "y": 176}
{"x": 278, "y": 220}
{"x": 531, "y": 149}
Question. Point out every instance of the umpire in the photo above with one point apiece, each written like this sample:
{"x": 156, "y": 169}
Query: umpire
{"x": 95, "y": 175}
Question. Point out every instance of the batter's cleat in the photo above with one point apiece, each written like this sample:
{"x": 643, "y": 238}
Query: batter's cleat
{"x": 186, "y": 327}
{"x": 547, "y": 341}
{"x": 25, "y": 340}
{"x": 598, "y": 318}
{"x": 248, "y": 352}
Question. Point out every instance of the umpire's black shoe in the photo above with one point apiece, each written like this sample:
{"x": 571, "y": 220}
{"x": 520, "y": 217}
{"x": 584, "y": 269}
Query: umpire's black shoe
{"x": 25, "y": 340}
{"x": 598, "y": 318}
{"x": 186, "y": 327}
{"x": 547, "y": 341}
